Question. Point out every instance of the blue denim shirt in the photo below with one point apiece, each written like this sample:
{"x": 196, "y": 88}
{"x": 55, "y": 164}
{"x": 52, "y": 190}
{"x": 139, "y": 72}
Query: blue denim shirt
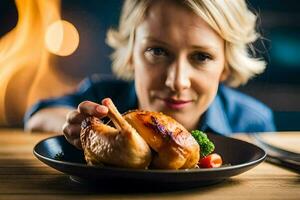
{"x": 230, "y": 112}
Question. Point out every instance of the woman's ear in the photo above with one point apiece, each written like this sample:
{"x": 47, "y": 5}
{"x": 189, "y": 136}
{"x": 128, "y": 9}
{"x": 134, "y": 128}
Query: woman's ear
{"x": 225, "y": 73}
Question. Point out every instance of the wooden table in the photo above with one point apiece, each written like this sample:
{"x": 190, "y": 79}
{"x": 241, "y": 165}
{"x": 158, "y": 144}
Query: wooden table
{"x": 22, "y": 176}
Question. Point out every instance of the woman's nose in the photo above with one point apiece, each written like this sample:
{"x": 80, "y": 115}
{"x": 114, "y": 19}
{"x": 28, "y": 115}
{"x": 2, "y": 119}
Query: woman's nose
{"x": 178, "y": 77}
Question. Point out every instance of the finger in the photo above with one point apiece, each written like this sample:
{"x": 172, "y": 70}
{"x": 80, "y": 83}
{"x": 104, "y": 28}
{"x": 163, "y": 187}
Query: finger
{"x": 93, "y": 109}
{"x": 72, "y": 131}
{"x": 77, "y": 143}
{"x": 71, "y": 136}
{"x": 74, "y": 117}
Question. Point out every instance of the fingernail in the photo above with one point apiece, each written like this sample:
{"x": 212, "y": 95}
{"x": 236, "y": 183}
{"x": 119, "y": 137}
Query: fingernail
{"x": 101, "y": 109}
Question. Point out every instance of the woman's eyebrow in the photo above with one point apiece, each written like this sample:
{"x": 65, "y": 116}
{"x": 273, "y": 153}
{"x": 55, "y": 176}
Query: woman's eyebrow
{"x": 152, "y": 39}
{"x": 204, "y": 47}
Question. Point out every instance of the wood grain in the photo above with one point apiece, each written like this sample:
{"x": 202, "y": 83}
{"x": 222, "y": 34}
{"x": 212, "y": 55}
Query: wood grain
{"x": 24, "y": 177}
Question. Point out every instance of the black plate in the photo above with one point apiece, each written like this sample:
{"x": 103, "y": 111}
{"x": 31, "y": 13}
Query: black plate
{"x": 238, "y": 157}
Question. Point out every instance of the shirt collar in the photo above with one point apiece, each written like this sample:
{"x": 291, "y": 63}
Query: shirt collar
{"x": 215, "y": 118}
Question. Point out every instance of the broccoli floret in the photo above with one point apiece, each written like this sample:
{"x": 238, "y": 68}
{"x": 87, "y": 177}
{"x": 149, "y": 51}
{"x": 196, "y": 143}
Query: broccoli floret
{"x": 206, "y": 146}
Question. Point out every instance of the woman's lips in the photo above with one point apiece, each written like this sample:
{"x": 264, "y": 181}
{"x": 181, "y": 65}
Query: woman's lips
{"x": 176, "y": 104}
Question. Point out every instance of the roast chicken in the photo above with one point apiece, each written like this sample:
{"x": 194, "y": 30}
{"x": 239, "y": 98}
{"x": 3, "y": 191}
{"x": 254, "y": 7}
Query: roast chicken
{"x": 140, "y": 139}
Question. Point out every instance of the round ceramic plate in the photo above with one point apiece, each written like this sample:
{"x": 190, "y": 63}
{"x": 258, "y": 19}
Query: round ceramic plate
{"x": 238, "y": 157}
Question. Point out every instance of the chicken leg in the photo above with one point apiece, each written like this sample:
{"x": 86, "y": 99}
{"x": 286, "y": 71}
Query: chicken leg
{"x": 121, "y": 146}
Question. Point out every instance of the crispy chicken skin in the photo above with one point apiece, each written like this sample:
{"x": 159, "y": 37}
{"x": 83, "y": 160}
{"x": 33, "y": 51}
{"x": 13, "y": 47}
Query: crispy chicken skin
{"x": 121, "y": 146}
{"x": 128, "y": 145}
{"x": 175, "y": 147}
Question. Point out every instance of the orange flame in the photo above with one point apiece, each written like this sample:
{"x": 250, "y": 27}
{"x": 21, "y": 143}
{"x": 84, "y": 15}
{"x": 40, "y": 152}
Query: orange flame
{"x": 26, "y": 66}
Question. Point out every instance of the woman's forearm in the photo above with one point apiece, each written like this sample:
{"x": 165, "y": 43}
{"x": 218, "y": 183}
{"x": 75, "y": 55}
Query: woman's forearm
{"x": 48, "y": 120}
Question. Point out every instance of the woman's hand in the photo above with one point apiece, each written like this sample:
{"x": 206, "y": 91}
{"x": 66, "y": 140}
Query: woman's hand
{"x": 47, "y": 120}
{"x": 72, "y": 126}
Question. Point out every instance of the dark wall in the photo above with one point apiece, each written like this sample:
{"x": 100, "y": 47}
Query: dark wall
{"x": 92, "y": 18}
{"x": 279, "y": 85}
{"x": 279, "y": 25}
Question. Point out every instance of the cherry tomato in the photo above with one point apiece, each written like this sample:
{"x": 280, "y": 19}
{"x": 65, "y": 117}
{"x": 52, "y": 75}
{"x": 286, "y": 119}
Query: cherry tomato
{"x": 210, "y": 161}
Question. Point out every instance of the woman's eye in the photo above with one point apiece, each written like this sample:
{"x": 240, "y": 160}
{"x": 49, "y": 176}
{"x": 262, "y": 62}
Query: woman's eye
{"x": 157, "y": 52}
{"x": 201, "y": 57}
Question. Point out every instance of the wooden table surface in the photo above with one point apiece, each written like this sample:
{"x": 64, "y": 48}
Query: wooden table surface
{"x": 22, "y": 176}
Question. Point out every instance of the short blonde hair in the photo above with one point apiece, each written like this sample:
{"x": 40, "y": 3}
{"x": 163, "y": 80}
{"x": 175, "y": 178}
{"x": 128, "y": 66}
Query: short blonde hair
{"x": 231, "y": 19}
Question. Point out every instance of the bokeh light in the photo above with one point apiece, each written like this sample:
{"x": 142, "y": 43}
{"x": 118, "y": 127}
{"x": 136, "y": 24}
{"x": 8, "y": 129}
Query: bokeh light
{"x": 61, "y": 38}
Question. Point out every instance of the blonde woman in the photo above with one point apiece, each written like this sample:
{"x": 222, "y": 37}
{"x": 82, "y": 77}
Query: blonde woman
{"x": 179, "y": 57}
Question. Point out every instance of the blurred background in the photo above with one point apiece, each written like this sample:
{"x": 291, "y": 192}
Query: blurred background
{"x": 32, "y": 69}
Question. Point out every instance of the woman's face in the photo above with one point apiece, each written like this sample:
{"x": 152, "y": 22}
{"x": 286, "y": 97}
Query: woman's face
{"x": 178, "y": 61}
